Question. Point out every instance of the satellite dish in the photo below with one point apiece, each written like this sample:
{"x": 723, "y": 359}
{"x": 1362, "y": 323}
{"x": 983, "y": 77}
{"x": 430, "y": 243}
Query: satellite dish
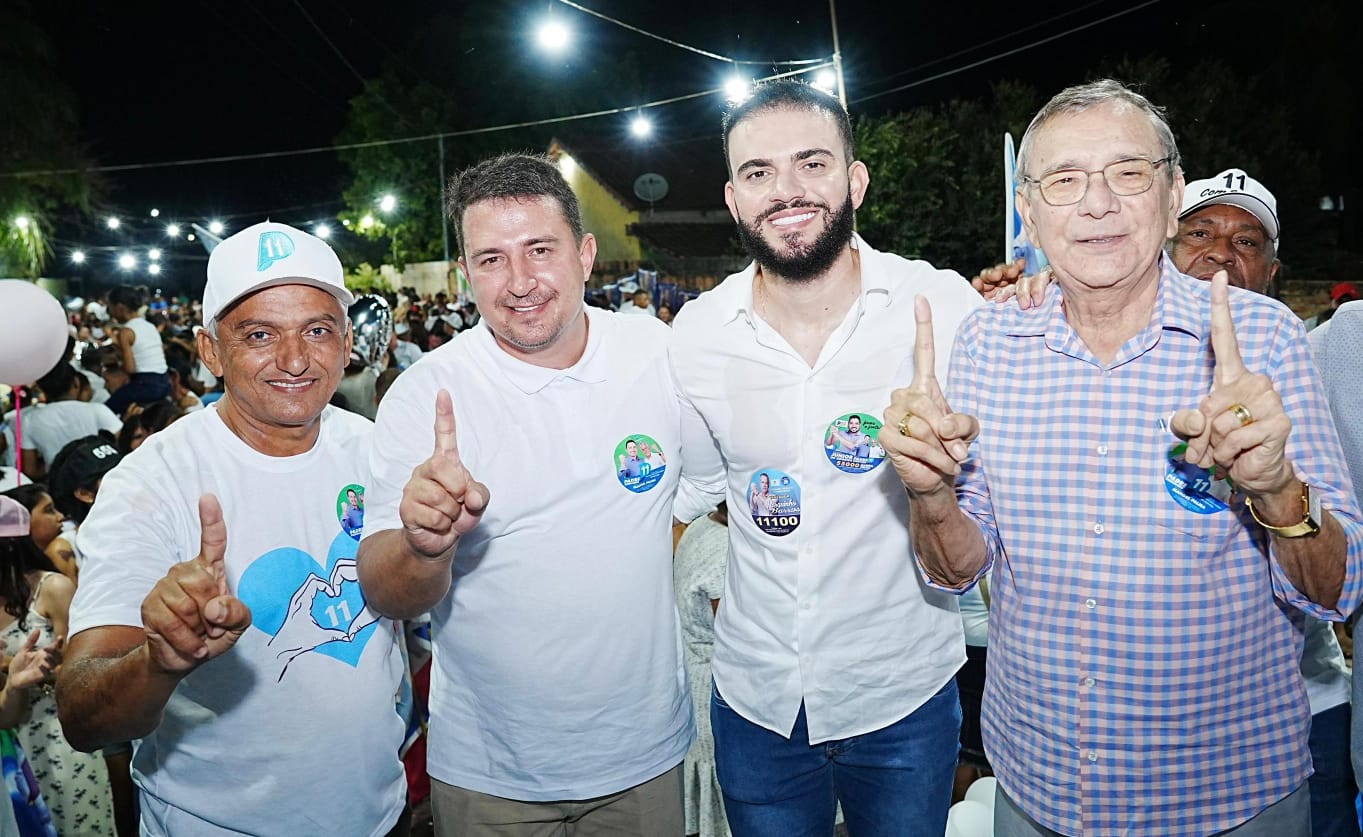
{"x": 650, "y": 187}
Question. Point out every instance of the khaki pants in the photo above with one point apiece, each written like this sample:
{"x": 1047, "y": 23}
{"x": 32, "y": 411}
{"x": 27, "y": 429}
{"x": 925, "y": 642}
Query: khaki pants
{"x": 652, "y": 809}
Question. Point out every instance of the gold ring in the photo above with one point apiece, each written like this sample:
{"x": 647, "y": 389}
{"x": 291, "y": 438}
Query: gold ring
{"x": 1241, "y": 412}
{"x": 904, "y": 424}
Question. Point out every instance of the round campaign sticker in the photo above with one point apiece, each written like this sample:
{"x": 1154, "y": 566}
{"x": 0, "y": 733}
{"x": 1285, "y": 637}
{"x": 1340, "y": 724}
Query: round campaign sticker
{"x": 1195, "y": 489}
{"x": 851, "y": 445}
{"x": 639, "y": 462}
{"x": 350, "y": 509}
{"x": 774, "y": 501}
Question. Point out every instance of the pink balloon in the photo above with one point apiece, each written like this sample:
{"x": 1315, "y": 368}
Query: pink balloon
{"x": 32, "y": 332}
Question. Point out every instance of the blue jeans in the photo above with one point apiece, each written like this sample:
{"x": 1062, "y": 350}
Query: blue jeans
{"x": 1332, "y": 785}
{"x": 894, "y": 781}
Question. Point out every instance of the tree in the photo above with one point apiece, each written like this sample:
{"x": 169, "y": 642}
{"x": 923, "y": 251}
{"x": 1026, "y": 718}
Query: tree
{"x": 446, "y": 80}
{"x": 937, "y": 177}
{"x": 37, "y": 126}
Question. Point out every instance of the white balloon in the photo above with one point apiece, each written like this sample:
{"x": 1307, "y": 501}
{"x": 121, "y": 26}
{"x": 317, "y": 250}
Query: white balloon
{"x": 983, "y": 790}
{"x": 32, "y": 332}
{"x": 969, "y": 818}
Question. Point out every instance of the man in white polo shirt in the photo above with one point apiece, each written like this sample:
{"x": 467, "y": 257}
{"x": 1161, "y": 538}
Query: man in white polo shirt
{"x": 218, "y": 617}
{"x": 833, "y": 661}
{"x": 558, "y": 695}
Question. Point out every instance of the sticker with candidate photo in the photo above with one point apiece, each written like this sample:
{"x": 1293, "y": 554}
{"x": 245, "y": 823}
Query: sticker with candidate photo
{"x": 1196, "y": 489}
{"x": 350, "y": 510}
{"x": 639, "y": 462}
{"x": 851, "y": 444}
{"x": 774, "y": 501}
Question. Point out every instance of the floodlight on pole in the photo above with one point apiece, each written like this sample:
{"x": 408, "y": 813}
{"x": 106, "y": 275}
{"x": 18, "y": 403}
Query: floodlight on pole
{"x": 736, "y": 89}
{"x": 127, "y": 261}
{"x": 78, "y": 256}
{"x": 553, "y": 35}
{"x": 154, "y": 254}
{"x": 154, "y": 269}
{"x": 640, "y": 126}
{"x": 111, "y": 222}
{"x": 215, "y": 227}
{"x": 173, "y": 230}
{"x": 155, "y": 213}
{"x": 322, "y": 231}
{"x": 387, "y": 203}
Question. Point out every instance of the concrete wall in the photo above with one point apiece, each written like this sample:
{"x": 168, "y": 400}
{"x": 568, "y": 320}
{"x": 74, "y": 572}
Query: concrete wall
{"x": 603, "y": 214}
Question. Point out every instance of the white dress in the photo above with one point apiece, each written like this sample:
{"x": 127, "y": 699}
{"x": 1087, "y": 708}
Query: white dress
{"x": 698, "y": 571}
{"x": 75, "y": 785}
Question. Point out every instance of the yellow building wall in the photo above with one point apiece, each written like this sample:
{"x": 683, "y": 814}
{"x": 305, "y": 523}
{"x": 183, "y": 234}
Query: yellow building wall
{"x": 602, "y": 214}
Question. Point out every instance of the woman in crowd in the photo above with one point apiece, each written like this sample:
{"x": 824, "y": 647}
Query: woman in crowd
{"x": 37, "y": 597}
{"x": 45, "y": 526}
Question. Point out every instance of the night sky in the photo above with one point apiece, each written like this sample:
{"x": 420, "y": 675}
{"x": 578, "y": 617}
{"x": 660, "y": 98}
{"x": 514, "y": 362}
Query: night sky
{"x": 160, "y": 81}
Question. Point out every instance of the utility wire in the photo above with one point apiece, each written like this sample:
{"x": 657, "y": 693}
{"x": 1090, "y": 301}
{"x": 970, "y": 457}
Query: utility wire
{"x": 1005, "y": 54}
{"x": 321, "y": 149}
{"x": 687, "y": 47}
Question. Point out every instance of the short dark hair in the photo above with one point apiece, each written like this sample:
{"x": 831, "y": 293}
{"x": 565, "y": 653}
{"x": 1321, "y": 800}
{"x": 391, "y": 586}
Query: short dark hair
{"x": 789, "y": 94}
{"x": 516, "y": 176}
{"x": 58, "y": 381}
{"x": 127, "y": 295}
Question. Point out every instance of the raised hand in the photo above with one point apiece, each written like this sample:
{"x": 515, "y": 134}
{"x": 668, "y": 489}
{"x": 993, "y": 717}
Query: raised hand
{"x": 441, "y": 501}
{"x": 190, "y": 616}
{"x": 1005, "y": 280}
{"x": 32, "y": 665}
{"x": 923, "y": 438}
{"x": 1240, "y": 425}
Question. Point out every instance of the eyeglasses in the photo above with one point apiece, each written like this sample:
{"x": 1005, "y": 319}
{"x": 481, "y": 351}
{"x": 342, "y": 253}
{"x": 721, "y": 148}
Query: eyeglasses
{"x": 1124, "y": 177}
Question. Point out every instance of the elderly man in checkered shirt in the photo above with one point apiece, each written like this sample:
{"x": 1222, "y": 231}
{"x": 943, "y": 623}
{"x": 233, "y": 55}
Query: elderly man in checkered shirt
{"x": 1159, "y": 489}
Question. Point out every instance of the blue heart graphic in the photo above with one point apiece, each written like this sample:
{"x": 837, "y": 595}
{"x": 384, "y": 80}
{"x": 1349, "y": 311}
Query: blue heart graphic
{"x": 270, "y": 582}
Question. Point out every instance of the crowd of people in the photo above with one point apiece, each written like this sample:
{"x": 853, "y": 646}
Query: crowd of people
{"x": 276, "y": 569}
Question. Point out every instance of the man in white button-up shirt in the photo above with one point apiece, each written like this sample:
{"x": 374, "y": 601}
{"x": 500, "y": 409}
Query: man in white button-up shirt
{"x": 833, "y": 660}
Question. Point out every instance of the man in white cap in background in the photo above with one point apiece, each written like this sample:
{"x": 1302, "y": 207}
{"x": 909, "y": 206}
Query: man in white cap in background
{"x": 218, "y": 618}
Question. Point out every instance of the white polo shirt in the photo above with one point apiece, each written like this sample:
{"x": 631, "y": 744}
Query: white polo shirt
{"x": 558, "y": 668}
{"x": 823, "y": 601}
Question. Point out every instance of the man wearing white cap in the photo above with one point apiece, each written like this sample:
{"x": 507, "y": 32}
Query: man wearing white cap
{"x": 218, "y": 618}
{"x": 1228, "y": 222}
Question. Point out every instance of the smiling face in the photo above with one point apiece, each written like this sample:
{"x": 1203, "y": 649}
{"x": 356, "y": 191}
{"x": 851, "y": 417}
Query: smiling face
{"x": 281, "y": 352}
{"x": 528, "y": 274}
{"x": 1104, "y": 240}
{"x": 854, "y": 424}
{"x": 791, "y": 192}
{"x": 1225, "y": 237}
{"x": 765, "y": 482}
{"x": 631, "y": 449}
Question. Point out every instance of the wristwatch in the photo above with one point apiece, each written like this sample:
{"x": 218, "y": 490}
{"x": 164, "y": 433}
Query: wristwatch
{"x": 1310, "y": 516}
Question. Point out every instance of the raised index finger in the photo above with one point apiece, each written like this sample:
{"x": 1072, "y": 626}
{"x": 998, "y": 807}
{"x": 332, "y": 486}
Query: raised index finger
{"x": 445, "y": 441}
{"x": 924, "y": 347}
{"x": 1225, "y": 348}
{"x": 212, "y": 535}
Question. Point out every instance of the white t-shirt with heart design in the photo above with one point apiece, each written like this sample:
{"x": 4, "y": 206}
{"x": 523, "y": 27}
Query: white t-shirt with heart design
{"x": 292, "y": 731}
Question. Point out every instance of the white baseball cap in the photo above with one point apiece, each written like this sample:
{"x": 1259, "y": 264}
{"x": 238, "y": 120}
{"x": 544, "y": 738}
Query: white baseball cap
{"x": 1235, "y": 188}
{"x": 266, "y": 255}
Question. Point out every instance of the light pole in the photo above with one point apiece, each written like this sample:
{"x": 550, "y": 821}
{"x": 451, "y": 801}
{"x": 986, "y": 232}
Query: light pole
{"x": 837, "y": 52}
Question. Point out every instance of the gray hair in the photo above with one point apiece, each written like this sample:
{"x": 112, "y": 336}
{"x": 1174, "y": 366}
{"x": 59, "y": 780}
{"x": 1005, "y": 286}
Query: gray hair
{"x": 1082, "y": 97}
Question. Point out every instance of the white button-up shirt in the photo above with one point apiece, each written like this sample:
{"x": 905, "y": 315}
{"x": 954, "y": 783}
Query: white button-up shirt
{"x": 823, "y": 603}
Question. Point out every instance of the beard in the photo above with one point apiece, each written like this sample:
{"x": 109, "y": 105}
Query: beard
{"x": 800, "y": 262}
